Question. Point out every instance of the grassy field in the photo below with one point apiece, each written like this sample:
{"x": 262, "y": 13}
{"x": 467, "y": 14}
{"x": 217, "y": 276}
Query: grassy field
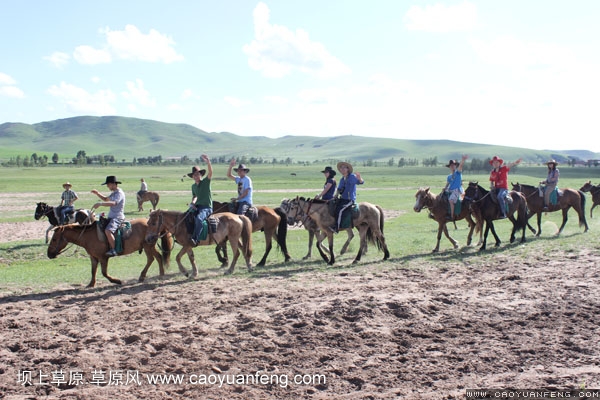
{"x": 24, "y": 266}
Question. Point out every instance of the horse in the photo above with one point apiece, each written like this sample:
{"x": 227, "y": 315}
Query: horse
{"x": 313, "y": 229}
{"x": 81, "y": 216}
{"x": 569, "y": 198}
{"x": 595, "y": 191}
{"x": 369, "y": 222}
{"x": 272, "y": 221}
{"x": 484, "y": 206}
{"x": 86, "y": 236}
{"x": 235, "y": 228}
{"x": 438, "y": 210}
{"x": 152, "y": 197}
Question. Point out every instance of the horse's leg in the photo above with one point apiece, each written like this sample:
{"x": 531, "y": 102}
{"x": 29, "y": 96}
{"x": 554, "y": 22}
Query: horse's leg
{"x": 512, "y": 219}
{"x": 350, "y": 236}
{"x": 493, "y": 229}
{"x": 269, "y": 245}
{"x": 565, "y": 214}
{"x": 471, "y": 229}
{"x": 447, "y": 234}
{"x": 222, "y": 248}
{"x": 104, "y": 266}
{"x": 539, "y": 223}
{"x": 235, "y": 249}
{"x": 362, "y": 232}
{"x": 192, "y": 259}
{"x": 151, "y": 254}
{"x": 311, "y": 238}
{"x": 183, "y": 251}
{"x": 48, "y": 230}
{"x": 94, "y": 270}
{"x": 592, "y": 209}
{"x": 485, "y": 235}
{"x": 441, "y": 226}
{"x": 331, "y": 254}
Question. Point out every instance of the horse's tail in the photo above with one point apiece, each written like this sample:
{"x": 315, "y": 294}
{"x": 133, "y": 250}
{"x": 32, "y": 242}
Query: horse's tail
{"x": 370, "y": 237}
{"x": 156, "y": 199}
{"x": 282, "y": 230}
{"x": 582, "y": 221}
{"x": 246, "y": 236}
{"x": 521, "y": 220}
{"x": 166, "y": 245}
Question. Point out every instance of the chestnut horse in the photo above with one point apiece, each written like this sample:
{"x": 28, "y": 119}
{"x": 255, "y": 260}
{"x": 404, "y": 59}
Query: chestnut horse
{"x": 485, "y": 207}
{"x": 595, "y": 191}
{"x": 569, "y": 198}
{"x": 152, "y": 197}
{"x": 86, "y": 236}
{"x": 369, "y": 223}
{"x": 438, "y": 210}
{"x": 235, "y": 228}
{"x": 272, "y": 221}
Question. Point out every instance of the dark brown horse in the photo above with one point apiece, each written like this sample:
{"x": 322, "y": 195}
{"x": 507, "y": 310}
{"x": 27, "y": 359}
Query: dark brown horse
{"x": 81, "y": 216}
{"x": 152, "y": 197}
{"x": 369, "y": 223}
{"x": 595, "y": 192}
{"x": 272, "y": 221}
{"x": 438, "y": 210}
{"x": 87, "y": 237}
{"x": 485, "y": 207}
{"x": 567, "y": 199}
{"x": 235, "y": 228}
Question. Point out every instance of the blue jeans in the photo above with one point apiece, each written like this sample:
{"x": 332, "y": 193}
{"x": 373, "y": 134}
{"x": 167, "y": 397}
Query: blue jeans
{"x": 202, "y": 212}
{"x": 242, "y": 207}
{"x": 63, "y": 213}
{"x": 501, "y": 195}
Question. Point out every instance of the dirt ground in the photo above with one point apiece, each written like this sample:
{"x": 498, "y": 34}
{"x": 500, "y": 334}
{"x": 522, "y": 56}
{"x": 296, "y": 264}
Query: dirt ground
{"x": 368, "y": 332}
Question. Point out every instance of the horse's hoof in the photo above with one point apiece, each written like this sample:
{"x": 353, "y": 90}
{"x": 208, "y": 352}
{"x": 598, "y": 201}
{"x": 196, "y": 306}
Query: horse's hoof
{"x": 141, "y": 279}
{"x": 435, "y": 250}
{"x": 227, "y": 272}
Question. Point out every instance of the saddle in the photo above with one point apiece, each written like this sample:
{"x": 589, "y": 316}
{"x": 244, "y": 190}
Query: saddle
{"x": 348, "y": 214}
{"x": 251, "y": 212}
{"x": 554, "y": 196}
{"x": 209, "y": 223}
{"x": 122, "y": 233}
{"x": 508, "y": 200}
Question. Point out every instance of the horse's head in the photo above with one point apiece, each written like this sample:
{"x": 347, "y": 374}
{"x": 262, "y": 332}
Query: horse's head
{"x": 516, "y": 186}
{"x": 286, "y": 207}
{"x": 587, "y": 186}
{"x": 422, "y": 197}
{"x": 57, "y": 243}
{"x": 473, "y": 191}
{"x": 154, "y": 226}
{"x": 40, "y": 210}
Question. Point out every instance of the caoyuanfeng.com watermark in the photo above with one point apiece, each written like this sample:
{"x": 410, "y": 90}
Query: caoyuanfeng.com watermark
{"x": 100, "y": 377}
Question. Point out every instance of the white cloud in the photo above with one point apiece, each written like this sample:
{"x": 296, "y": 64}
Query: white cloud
{"x": 131, "y": 44}
{"x": 90, "y": 56}
{"x": 79, "y": 101}
{"x": 58, "y": 59}
{"x": 441, "y": 18}
{"x": 7, "y": 79}
{"x": 12, "y": 91}
{"x": 138, "y": 94}
{"x": 277, "y": 51}
{"x": 276, "y": 100}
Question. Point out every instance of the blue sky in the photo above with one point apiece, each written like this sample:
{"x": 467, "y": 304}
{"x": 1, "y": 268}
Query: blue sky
{"x": 515, "y": 73}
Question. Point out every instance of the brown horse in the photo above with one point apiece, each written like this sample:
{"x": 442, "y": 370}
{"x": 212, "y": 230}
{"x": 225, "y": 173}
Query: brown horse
{"x": 595, "y": 191}
{"x": 313, "y": 230}
{"x": 87, "y": 237}
{"x": 569, "y": 198}
{"x": 235, "y": 228}
{"x": 438, "y": 210}
{"x": 485, "y": 207}
{"x": 369, "y": 223}
{"x": 152, "y": 197}
{"x": 272, "y": 221}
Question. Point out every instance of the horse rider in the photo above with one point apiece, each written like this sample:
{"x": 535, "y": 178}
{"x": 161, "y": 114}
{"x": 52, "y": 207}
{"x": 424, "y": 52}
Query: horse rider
{"x": 116, "y": 201}
{"x": 346, "y": 191}
{"x": 67, "y": 199}
{"x": 243, "y": 201}
{"x": 551, "y": 182}
{"x": 499, "y": 181}
{"x": 143, "y": 189}
{"x": 201, "y": 204}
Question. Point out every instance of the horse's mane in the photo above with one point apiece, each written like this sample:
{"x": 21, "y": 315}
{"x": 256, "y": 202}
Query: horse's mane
{"x": 525, "y": 186}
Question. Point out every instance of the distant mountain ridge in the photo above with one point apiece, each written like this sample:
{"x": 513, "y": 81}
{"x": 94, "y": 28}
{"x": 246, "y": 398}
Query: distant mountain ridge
{"x": 126, "y": 138}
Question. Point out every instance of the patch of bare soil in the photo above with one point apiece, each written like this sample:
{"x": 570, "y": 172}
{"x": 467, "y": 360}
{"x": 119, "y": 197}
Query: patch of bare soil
{"x": 348, "y": 333}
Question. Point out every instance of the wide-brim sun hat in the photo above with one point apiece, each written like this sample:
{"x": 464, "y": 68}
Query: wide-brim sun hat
{"x": 452, "y": 162}
{"x": 344, "y": 164}
{"x": 552, "y": 162}
{"x": 496, "y": 158}
{"x": 242, "y": 167}
{"x": 111, "y": 179}
{"x": 330, "y": 170}
{"x": 67, "y": 184}
{"x": 196, "y": 169}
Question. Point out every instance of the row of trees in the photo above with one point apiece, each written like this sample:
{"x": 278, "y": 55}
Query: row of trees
{"x": 33, "y": 160}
